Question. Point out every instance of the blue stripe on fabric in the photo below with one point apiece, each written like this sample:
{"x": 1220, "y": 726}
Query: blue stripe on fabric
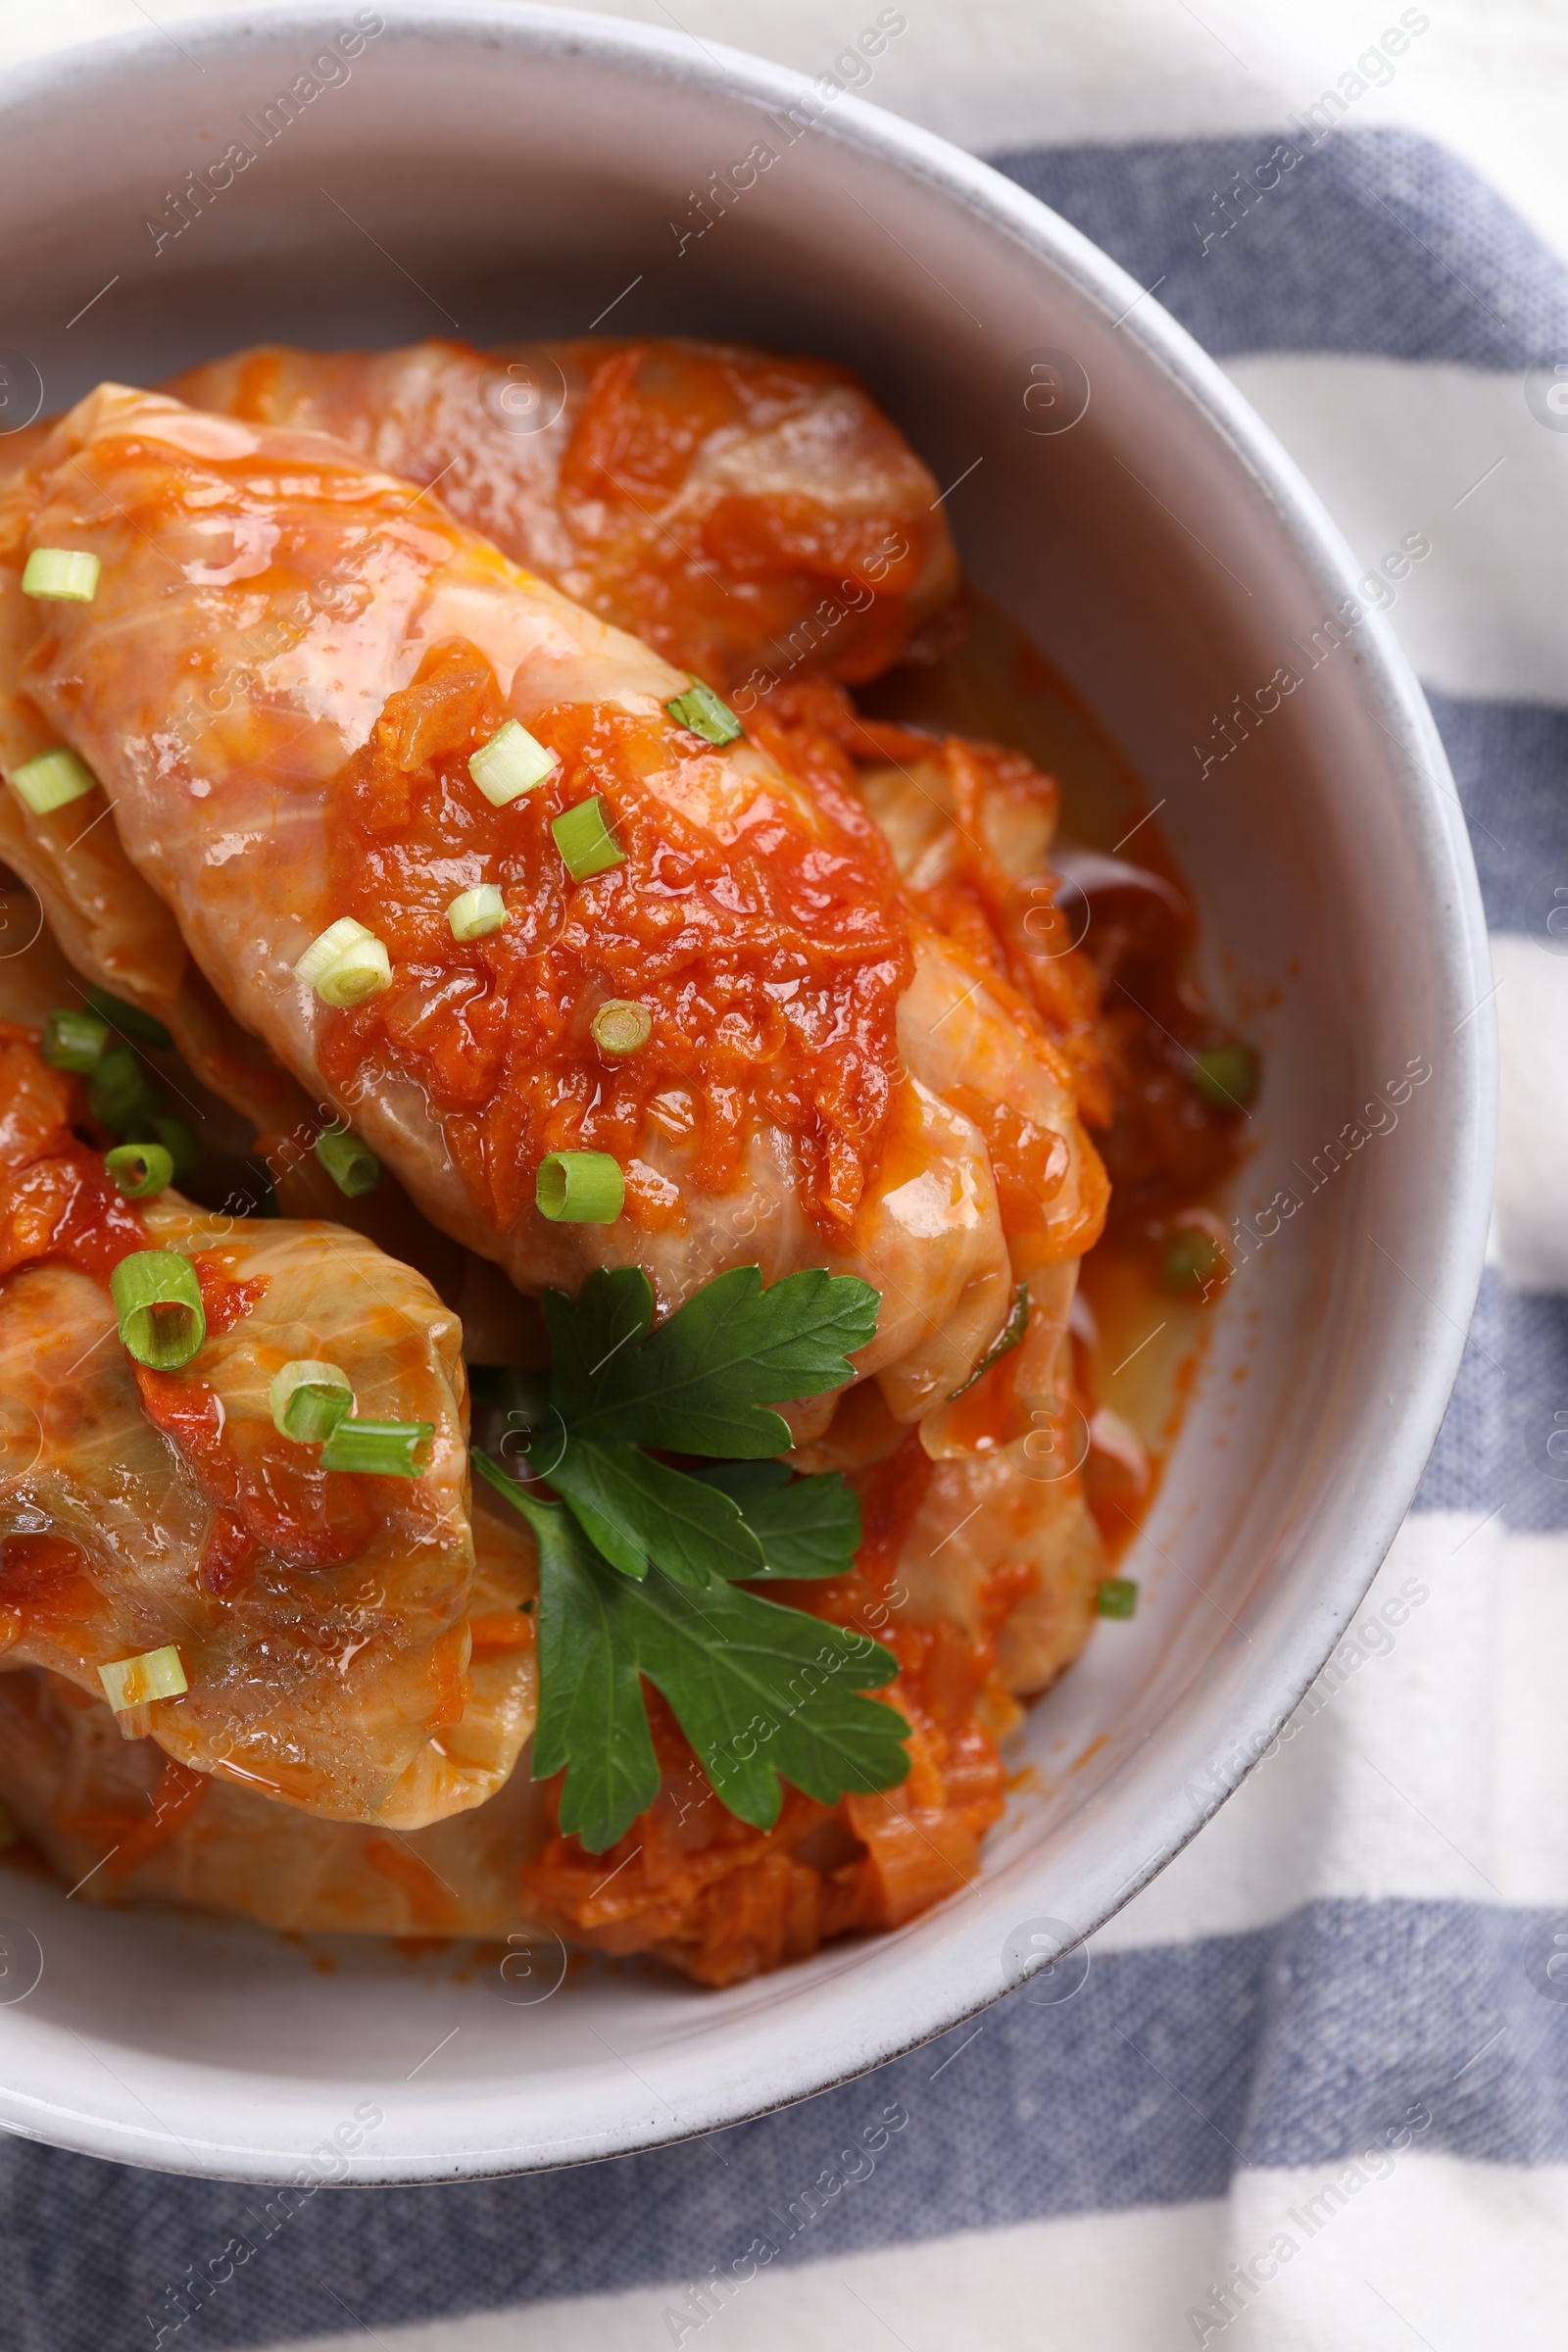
{"x": 1374, "y": 241}
{"x": 1303, "y": 2044}
{"x": 1510, "y": 767}
{"x": 1534, "y": 1450}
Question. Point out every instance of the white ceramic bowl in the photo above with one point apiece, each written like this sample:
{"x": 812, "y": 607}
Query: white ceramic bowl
{"x": 500, "y": 171}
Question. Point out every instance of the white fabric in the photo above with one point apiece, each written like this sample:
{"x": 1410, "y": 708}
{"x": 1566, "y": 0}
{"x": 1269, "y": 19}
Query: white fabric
{"x": 1394, "y": 446}
{"x": 1531, "y": 1228}
{"x": 1381, "y": 1786}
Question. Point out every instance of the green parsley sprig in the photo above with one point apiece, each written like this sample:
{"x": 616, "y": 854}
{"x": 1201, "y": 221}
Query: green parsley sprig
{"x": 639, "y": 1561}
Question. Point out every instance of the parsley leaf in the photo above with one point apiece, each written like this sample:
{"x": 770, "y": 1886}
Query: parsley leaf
{"x": 639, "y": 1561}
{"x": 609, "y": 1315}
{"x": 805, "y": 1526}
{"x": 702, "y": 1381}
{"x": 759, "y": 1690}
{"x": 636, "y": 1510}
{"x": 591, "y": 1714}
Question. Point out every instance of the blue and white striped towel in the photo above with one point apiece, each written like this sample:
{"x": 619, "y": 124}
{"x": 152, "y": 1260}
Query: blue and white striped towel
{"x": 1313, "y": 2093}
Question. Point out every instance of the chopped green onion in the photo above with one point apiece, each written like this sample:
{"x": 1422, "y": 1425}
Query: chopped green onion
{"x": 701, "y": 710}
{"x": 1011, "y": 1333}
{"x": 309, "y": 1400}
{"x": 620, "y": 1026}
{"x": 140, "y": 1170}
{"x": 159, "y": 1301}
{"x": 1117, "y": 1597}
{"x": 64, "y": 571}
{"x": 135, "y": 1682}
{"x": 579, "y": 1188}
{"x": 344, "y": 963}
{"x": 473, "y": 913}
{"x": 120, "y": 1093}
{"x": 1226, "y": 1076}
{"x": 75, "y": 1040}
{"x": 351, "y": 1165}
{"x": 585, "y": 841}
{"x": 52, "y": 779}
{"x": 378, "y": 1449}
{"x": 1192, "y": 1260}
{"x": 129, "y": 1019}
{"x": 510, "y": 763}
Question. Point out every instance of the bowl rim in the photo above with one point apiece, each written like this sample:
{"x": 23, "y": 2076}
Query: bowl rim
{"x": 1171, "y": 1818}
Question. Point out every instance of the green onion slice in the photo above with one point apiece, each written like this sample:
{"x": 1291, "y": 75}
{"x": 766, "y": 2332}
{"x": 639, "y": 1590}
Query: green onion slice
{"x": 510, "y": 763}
{"x": 134, "y": 1681}
{"x": 351, "y": 1165}
{"x": 1011, "y": 1334}
{"x": 71, "y": 572}
{"x": 580, "y": 1188}
{"x": 620, "y": 1026}
{"x": 344, "y": 963}
{"x": 52, "y": 780}
{"x": 129, "y": 1019}
{"x": 1226, "y": 1076}
{"x": 140, "y": 1170}
{"x": 120, "y": 1093}
{"x": 473, "y": 913}
{"x": 379, "y": 1449}
{"x": 1117, "y": 1597}
{"x": 585, "y": 841}
{"x": 75, "y": 1040}
{"x": 701, "y": 710}
{"x": 159, "y": 1301}
{"x": 309, "y": 1400}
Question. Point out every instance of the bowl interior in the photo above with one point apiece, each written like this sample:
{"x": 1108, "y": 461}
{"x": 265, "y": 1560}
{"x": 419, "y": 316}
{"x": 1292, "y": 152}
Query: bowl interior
{"x": 494, "y": 175}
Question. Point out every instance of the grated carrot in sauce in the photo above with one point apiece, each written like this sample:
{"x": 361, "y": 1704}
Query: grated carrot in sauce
{"x": 722, "y": 1901}
{"x": 772, "y": 961}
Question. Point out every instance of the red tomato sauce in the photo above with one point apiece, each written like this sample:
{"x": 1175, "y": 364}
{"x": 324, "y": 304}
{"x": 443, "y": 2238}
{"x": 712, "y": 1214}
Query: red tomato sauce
{"x": 45, "y": 1583}
{"x": 1013, "y": 932}
{"x": 998, "y": 925}
{"x": 57, "y": 1203}
{"x": 269, "y": 1489}
{"x": 771, "y": 962}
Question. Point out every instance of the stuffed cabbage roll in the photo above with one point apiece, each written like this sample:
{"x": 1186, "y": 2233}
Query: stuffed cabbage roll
{"x": 321, "y": 1617}
{"x": 744, "y": 514}
{"x": 738, "y": 510}
{"x": 287, "y": 668}
{"x": 992, "y": 1501}
{"x": 123, "y": 1821}
{"x": 121, "y": 935}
